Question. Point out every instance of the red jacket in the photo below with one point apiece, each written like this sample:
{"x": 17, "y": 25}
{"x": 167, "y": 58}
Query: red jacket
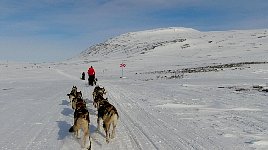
{"x": 91, "y": 71}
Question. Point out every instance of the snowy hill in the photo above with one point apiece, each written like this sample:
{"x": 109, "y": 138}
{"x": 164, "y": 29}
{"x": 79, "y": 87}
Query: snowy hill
{"x": 178, "y": 48}
{"x": 182, "y": 89}
{"x": 180, "y": 39}
{"x": 138, "y": 42}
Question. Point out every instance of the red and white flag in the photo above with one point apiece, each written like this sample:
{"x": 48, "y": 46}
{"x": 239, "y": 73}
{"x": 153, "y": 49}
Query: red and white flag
{"x": 122, "y": 65}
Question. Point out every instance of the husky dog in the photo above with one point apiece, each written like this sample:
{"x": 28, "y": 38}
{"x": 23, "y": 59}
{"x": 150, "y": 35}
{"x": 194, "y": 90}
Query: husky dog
{"x": 81, "y": 118}
{"x": 80, "y": 103}
{"x": 98, "y": 91}
{"x": 109, "y": 115}
{"x": 77, "y": 98}
{"x": 98, "y": 94}
{"x": 74, "y": 89}
{"x": 73, "y": 93}
{"x": 81, "y": 121}
{"x": 99, "y": 100}
{"x": 79, "y": 94}
{"x": 95, "y": 81}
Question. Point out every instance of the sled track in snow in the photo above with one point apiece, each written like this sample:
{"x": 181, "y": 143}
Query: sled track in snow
{"x": 127, "y": 125}
{"x": 157, "y": 133}
{"x": 137, "y": 126}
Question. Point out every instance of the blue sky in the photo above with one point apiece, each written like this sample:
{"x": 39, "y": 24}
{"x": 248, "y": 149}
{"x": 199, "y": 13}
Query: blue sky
{"x": 54, "y": 30}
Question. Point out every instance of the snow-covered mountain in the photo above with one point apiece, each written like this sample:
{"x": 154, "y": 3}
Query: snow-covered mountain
{"x": 181, "y": 39}
{"x": 138, "y": 42}
{"x": 182, "y": 89}
{"x": 177, "y": 48}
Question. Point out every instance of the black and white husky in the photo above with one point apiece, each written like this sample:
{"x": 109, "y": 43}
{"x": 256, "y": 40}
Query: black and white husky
{"x": 72, "y": 94}
{"x": 98, "y": 92}
{"x": 77, "y": 98}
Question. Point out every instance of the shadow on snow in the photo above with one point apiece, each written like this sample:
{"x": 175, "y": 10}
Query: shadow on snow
{"x": 63, "y": 129}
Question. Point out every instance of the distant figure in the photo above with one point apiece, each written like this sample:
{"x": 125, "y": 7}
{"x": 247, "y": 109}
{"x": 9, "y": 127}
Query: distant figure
{"x": 91, "y": 76}
{"x": 83, "y": 76}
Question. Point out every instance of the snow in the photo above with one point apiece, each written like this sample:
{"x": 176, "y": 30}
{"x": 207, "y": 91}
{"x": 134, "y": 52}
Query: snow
{"x": 160, "y": 106}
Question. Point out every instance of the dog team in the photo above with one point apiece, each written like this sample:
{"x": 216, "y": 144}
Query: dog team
{"x": 106, "y": 112}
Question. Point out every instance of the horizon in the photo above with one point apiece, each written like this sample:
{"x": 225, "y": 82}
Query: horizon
{"x": 51, "y": 31}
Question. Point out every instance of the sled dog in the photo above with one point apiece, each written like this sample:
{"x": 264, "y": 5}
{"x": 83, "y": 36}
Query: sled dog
{"x": 98, "y": 91}
{"x": 109, "y": 115}
{"x": 81, "y": 110}
{"x": 81, "y": 122}
{"x": 73, "y": 93}
{"x": 79, "y": 94}
{"x": 80, "y": 103}
{"x": 99, "y": 100}
{"x": 77, "y": 98}
{"x": 98, "y": 94}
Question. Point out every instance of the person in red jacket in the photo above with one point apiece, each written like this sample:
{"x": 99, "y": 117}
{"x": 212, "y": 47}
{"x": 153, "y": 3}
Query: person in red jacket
{"x": 91, "y": 75}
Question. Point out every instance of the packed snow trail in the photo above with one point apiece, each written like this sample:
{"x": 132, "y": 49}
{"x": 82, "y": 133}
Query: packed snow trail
{"x": 151, "y": 128}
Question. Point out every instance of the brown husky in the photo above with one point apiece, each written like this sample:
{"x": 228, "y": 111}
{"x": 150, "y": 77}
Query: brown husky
{"x": 109, "y": 115}
{"x": 82, "y": 121}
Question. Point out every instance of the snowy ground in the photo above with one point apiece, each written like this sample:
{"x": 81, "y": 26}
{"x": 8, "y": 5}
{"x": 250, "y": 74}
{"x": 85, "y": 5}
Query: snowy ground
{"x": 159, "y": 106}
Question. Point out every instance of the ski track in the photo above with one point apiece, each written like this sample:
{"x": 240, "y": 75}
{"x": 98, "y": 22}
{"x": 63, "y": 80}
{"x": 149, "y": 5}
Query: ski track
{"x": 146, "y": 125}
{"x": 162, "y": 130}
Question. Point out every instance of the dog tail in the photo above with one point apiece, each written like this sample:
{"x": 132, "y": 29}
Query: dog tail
{"x": 71, "y": 129}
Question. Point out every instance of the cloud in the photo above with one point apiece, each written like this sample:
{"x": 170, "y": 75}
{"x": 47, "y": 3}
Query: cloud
{"x": 84, "y": 22}
{"x": 85, "y": 14}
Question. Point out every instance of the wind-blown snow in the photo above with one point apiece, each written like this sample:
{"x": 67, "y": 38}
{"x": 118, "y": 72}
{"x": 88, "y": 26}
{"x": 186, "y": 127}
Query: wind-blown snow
{"x": 183, "y": 89}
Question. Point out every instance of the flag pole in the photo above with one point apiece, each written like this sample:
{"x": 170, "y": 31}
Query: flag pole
{"x": 122, "y": 72}
{"x": 122, "y": 65}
